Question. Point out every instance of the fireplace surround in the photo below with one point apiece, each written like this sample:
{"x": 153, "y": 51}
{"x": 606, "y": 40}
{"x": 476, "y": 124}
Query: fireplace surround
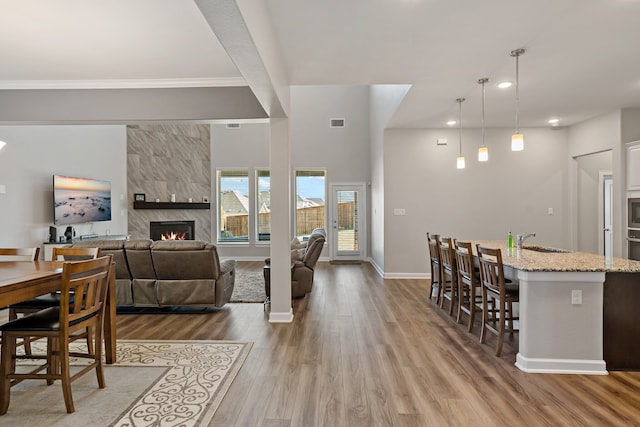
{"x": 172, "y": 230}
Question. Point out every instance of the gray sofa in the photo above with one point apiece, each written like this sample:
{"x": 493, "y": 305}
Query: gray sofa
{"x": 168, "y": 273}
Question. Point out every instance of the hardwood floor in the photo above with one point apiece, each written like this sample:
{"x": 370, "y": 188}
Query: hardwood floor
{"x": 363, "y": 351}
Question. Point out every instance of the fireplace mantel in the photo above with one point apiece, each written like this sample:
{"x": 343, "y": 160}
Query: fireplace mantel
{"x": 170, "y": 205}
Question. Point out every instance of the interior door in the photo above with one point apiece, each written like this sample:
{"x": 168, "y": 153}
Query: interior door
{"x": 607, "y": 228}
{"x": 348, "y": 213}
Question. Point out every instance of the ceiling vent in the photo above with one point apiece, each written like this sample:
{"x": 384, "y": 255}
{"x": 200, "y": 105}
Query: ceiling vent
{"x": 233, "y": 125}
{"x": 336, "y": 123}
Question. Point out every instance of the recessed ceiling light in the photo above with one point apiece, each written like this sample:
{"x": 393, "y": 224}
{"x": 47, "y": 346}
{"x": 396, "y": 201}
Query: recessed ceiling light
{"x": 505, "y": 85}
{"x": 451, "y": 122}
{"x": 553, "y": 122}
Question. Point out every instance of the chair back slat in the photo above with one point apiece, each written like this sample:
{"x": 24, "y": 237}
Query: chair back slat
{"x": 464, "y": 261}
{"x": 88, "y": 282}
{"x": 434, "y": 247}
{"x": 491, "y": 269}
{"x": 74, "y": 254}
{"x": 19, "y": 254}
{"x": 447, "y": 256}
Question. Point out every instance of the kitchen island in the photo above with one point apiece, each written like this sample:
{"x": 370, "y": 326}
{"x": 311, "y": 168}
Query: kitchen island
{"x": 569, "y": 307}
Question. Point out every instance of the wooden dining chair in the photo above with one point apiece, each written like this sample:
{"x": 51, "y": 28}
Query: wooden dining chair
{"x": 41, "y": 302}
{"x": 19, "y": 254}
{"x": 87, "y": 282}
{"x": 433, "y": 242}
{"x": 498, "y": 297}
{"x": 448, "y": 273}
{"x": 469, "y": 293}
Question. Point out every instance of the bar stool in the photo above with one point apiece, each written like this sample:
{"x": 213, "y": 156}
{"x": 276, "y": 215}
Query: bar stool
{"x": 469, "y": 294}
{"x": 500, "y": 318}
{"x": 433, "y": 241}
{"x": 448, "y": 273}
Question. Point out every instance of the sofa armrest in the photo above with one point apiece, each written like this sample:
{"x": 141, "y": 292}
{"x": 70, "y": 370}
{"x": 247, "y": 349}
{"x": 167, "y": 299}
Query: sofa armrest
{"x": 225, "y": 282}
{"x": 227, "y": 266}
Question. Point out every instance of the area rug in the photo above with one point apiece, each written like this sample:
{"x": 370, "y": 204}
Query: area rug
{"x": 153, "y": 383}
{"x": 249, "y": 287}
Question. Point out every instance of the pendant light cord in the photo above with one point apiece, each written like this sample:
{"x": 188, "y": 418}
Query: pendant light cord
{"x": 460, "y": 122}
{"x": 483, "y": 81}
{"x": 517, "y": 94}
{"x": 517, "y": 54}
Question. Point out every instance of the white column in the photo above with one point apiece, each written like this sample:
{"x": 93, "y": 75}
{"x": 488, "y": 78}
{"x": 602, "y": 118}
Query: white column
{"x": 280, "y": 160}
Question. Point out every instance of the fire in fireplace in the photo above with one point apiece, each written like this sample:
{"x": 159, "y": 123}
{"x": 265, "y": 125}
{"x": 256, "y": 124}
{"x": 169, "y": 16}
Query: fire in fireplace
{"x": 172, "y": 230}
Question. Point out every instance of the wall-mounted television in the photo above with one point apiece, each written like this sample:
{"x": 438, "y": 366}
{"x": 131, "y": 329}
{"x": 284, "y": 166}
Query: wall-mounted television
{"x": 78, "y": 200}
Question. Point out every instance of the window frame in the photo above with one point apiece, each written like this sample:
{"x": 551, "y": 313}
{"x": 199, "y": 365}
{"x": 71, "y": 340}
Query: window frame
{"x": 219, "y": 175}
{"x": 311, "y": 172}
{"x": 256, "y": 217}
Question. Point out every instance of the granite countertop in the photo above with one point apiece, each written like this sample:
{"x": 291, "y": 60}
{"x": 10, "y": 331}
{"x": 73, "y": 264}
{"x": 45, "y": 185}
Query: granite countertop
{"x": 563, "y": 260}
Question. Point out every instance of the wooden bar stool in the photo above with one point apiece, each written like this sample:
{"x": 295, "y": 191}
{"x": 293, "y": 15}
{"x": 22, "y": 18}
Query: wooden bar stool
{"x": 448, "y": 273}
{"x": 500, "y": 295}
{"x": 469, "y": 293}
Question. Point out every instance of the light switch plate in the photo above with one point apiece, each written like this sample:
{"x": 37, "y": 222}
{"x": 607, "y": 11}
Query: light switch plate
{"x": 3, "y": 189}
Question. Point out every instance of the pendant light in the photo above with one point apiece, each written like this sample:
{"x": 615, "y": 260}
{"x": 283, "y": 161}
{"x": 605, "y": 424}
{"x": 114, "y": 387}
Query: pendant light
{"x": 517, "y": 139}
{"x": 483, "y": 151}
{"x": 460, "y": 160}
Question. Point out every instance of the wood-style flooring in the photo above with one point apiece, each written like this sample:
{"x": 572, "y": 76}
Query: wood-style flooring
{"x": 363, "y": 351}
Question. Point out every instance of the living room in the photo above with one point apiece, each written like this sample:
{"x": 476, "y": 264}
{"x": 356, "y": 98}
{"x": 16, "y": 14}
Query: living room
{"x": 367, "y": 346}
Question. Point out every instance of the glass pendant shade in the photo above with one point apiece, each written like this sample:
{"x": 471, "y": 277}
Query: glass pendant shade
{"x": 483, "y": 154}
{"x": 517, "y": 142}
{"x": 460, "y": 162}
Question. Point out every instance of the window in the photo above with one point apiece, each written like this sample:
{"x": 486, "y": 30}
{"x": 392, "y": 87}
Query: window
{"x": 310, "y": 201}
{"x": 263, "y": 205}
{"x": 233, "y": 200}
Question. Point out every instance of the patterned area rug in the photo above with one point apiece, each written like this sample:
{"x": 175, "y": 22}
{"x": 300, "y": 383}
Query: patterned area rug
{"x": 153, "y": 383}
{"x": 249, "y": 287}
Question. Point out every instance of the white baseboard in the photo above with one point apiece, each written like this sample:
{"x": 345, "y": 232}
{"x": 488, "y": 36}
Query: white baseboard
{"x": 561, "y": 366}
{"x": 284, "y": 317}
{"x": 407, "y": 276}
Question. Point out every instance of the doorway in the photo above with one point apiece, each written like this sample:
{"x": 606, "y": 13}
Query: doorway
{"x": 606, "y": 184}
{"x": 594, "y": 182}
{"x": 348, "y": 229}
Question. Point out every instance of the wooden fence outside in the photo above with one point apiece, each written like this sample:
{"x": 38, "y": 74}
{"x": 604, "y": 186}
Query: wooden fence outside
{"x": 307, "y": 220}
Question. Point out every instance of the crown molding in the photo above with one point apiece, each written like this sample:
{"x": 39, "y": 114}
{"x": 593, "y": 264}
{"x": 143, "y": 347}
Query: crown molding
{"x": 122, "y": 83}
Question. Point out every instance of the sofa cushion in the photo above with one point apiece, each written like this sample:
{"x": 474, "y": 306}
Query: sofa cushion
{"x": 139, "y": 258}
{"x": 185, "y": 260}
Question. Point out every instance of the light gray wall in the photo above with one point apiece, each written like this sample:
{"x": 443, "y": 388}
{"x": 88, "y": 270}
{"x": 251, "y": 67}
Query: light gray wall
{"x": 246, "y": 147}
{"x": 510, "y": 192}
{"x": 384, "y": 100}
{"x": 127, "y": 105}
{"x": 345, "y": 152}
{"x": 599, "y": 134}
{"x": 33, "y": 154}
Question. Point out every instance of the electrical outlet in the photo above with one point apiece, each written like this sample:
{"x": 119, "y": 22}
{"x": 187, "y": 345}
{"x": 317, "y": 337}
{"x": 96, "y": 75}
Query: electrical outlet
{"x": 576, "y": 297}
{"x": 398, "y": 211}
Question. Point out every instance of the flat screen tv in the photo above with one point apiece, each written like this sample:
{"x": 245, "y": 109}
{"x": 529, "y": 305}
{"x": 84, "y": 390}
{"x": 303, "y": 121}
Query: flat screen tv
{"x": 78, "y": 200}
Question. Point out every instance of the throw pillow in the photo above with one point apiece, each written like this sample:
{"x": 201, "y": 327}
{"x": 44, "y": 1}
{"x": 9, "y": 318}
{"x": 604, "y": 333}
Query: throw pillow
{"x": 297, "y": 244}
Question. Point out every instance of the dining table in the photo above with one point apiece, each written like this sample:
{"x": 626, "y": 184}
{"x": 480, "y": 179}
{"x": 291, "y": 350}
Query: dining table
{"x": 21, "y": 281}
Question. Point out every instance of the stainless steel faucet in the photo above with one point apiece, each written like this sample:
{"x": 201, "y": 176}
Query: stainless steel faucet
{"x": 520, "y": 238}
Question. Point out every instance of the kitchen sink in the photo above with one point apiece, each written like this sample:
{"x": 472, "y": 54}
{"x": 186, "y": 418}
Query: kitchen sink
{"x": 545, "y": 249}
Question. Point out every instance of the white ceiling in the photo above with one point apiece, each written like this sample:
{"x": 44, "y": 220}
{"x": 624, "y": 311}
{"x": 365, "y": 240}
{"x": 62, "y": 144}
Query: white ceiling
{"x": 582, "y": 56}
